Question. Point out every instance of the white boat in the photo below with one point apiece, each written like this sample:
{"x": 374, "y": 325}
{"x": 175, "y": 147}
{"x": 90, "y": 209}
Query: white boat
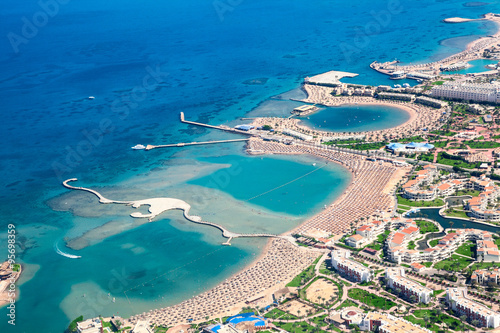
{"x": 139, "y": 147}
{"x": 91, "y": 97}
{"x": 314, "y": 164}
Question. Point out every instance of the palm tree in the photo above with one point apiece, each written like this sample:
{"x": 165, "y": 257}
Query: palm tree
{"x": 427, "y": 318}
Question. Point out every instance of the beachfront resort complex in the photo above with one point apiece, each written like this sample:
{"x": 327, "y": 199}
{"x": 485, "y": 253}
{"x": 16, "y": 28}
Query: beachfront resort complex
{"x": 410, "y": 244}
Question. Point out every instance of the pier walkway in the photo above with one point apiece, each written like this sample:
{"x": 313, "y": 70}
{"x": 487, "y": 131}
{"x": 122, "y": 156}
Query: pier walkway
{"x": 220, "y": 127}
{"x": 160, "y": 205}
{"x": 149, "y": 147}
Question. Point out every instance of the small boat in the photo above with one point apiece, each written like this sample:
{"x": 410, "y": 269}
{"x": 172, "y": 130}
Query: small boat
{"x": 139, "y": 147}
{"x": 91, "y": 97}
{"x": 113, "y": 299}
{"x": 314, "y": 164}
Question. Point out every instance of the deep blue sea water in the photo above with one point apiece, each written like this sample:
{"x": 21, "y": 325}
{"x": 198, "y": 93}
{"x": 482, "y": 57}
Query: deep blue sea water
{"x": 145, "y": 62}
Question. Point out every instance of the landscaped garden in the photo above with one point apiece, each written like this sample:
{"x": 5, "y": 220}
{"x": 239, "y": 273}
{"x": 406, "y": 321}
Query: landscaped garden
{"x": 370, "y": 299}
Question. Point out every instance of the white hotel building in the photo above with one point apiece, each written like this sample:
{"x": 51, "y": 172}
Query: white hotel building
{"x": 350, "y": 268}
{"x": 460, "y": 303}
{"x": 396, "y": 279}
{"x": 468, "y": 91}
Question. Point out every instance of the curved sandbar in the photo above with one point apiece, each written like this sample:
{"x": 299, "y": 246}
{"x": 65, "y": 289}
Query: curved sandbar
{"x": 160, "y": 205}
{"x": 460, "y": 20}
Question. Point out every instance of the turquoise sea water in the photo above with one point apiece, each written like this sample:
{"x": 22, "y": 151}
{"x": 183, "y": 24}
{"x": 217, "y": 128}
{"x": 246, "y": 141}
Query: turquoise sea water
{"x": 354, "y": 118}
{"x": 477, "y": 66}
{"x": 144, "y": 63}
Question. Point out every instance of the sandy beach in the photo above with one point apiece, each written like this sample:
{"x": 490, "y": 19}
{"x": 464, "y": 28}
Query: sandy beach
{"x": 368, "y": 194}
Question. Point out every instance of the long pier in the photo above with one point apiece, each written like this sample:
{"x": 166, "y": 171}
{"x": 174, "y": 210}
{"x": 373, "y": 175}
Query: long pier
{"x": 220, "y": 127}
{"x": 149, "y": 147}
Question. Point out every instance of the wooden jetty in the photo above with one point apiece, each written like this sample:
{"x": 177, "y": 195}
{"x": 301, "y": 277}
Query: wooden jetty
{"x": 149, "y": 147}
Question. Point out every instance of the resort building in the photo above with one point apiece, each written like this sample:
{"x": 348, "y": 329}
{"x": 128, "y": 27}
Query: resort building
{"x": 412, "y": 189}
{"x": 445, "y": 248}
{"x": 432, "y": 102}
{"x": 357, "y": 241}
{"x": 93, "y": 325}
{"x": 417, "y": 267}
{"x": 350, "y": 268}
{"x": 387, "y": 323}
{"x": 367, "y": 234}
{"x": 468, "y": 91}
{"x": 396, "y": 96}
{"x": 142, "y": 326}
{"x": 487, "y": 251}
{"x": 461, "y": 304}
{"x": 244, "y": 127}
{"x": 420, "y": 76}
{"x": 484, "y": 206}
{"x": 305, "y": 109}
{"x": 413, "y": 147}
{"x": 483, "y": 276}
{"x": 396, "y": 279}
{"x": 297, "y": 135}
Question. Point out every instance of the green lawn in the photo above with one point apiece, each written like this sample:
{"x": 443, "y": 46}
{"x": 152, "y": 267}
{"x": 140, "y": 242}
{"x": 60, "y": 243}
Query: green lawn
{"x": 452, "y": 323}
{"x": 456, "y": 263}
{"x": 366, "y": 146}
{"x": 434, "y": 242}
{"x": 411, "y": 245}
{"x": 305, "y": 275}
{"x": 435, "y": 293}
{"x": 427, "y": 264}
{"x": 456, "y": 213}
{"x": 440, "y": 144}
{"x": 443, "y": 159}
{"x": 320, "y": 320}
{"x": 370, "y": 299}
{"x": 277, "y": 313}
{"x": 484, "y": 265}
{"x": 438, "y": 83}
{"x": 426, "y": 226}
{"x": 433, "y": 203}
{"x": 433, "y": 327}
{"x": 467, "y": 192}
{"x": 299, "y": 327}
{"x": 429, "y": 157}
{"x": 467, "y": 249}
{"x": 347, "y": 303}
{"x": 482, "y": 144}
